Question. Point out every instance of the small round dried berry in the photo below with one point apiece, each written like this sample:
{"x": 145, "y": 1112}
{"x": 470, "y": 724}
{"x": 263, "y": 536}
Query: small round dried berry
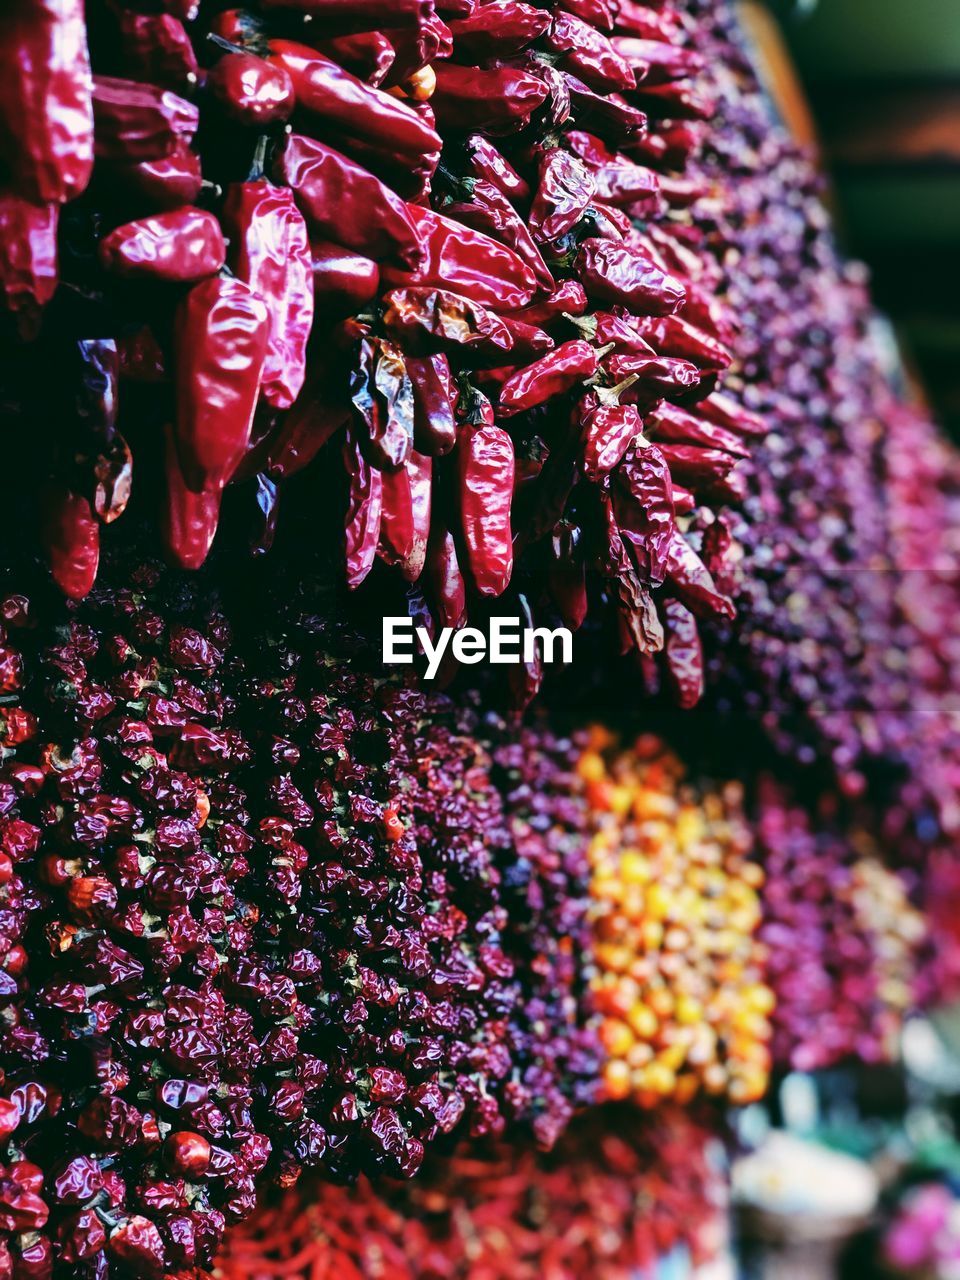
{"x": 188, "y": 1153}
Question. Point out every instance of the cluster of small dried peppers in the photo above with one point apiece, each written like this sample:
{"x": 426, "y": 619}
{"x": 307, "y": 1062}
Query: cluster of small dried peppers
{"x": 446, "y": 243}
{"x": 260, "y": 911}
{"x": 614, "y": 1196}
{"x": 843, "y": 940}
{"x": 679, "y": 965}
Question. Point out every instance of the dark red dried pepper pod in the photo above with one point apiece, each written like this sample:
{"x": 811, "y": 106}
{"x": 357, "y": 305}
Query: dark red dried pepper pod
{"x": 589, "y": 54}
{"x": 188, "y": 520}
{"x": 46, "y": 117}
{"x": 485, "y": 162}
{"x": 608, "y": 430}
{"x": 645, "y": 21}
{"x": 661, "y": 60}
{"x": 564, "y": 192}
{"x": 498, "y": 100}
{"x": 529, "y": 342}
{"x": 344, "y": 281}
{"x": 368, "y": 55}
{"x": 490, "y": 212}
{"x": 270, "y": 250}
{"x": 434, "y": 398}
{"x": 662, "y": 375}
{"x": 674, "y": 336}
{"x": 485, "y": 462}
{"x": 614, "y": 273}
{"x": 425, "y": 321}
{"x": 683, "y": 653}
{"x": 358, "y": 15}
{"x": 113, "y": 476}
{"x": 364, "y": 511}
{"x": 155, "y": 47}
{"x": 690, "y": 581}
{"x": 643, "y": 502}
{"x": 678, "y": 426}
{"x": 722, "y": 409}
{"x": 370, "y": 116}
{"x": 608, "y": 115}
{"x": 498, "y": 29}
{"x": 554, "y": 375}
{"x": 405, "y": 519}
{"x": 321, "y": 410}
{"x": 137, "y": 122}
{"x": 341, "y": 199}
{"x": 677, "y": 100}
{"x": 569, "y": 299}
{"x": 251, "y": 90}
{"x": 182, "y": 245}
{"x": 468, "y": 262}
{"x": 158, "y": 185}
{"x": 382, "y": 397}
{"x": 220, "y": 344}
{"x": 28, "y": 261}
{"x": 598, "y": 13}
{"x": 97, "y": 386}
{"x": 619, "y": 181}
{"x": 70, "y": 535}
{"x": 697, "y": 468}
{"x": 448, "y": 594}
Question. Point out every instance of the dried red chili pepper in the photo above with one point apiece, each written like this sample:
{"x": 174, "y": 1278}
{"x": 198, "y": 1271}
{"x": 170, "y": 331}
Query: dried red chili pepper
{"x": 447, "y": 590}
{"x": 323, "y": 89}
{"x": 661, "y": 60}
{"x": 321, "y": 410}
{"x": 269, "y": 249}
{"x": 564, "y": 191}
{"x": 643, "y": 502}
{"x": 383, "y": 400}
{"x": 683, "y": 653}
{"x": 358, "y": 15}
{"x": 113, "y": 473}
{"x": 182, "y": 245}
{"x": 188, "y": 520}
{"x": 46, "y": 119}
{"x": 566, "y": 577}
{"x": 70, "y": 535}
{"x": 498, "y": 29}
{"x": 608, "y": 328}
{"x": 341, "y": 199}
{"x": 364, "y": 510}
{"x": 661, "y": 374}
{"x": 486, "y": 163}
{"x": 490, "y": 212}
{"x": 678, "y": 426}
{"x": 589, "y": 54}
{"x": 697, "y": 468}
{"x": 613, "y": 273}
{"x": 97, "y": 386}
{"x": 430, "y": 320}
{"x": 468, "y": 262}
{"x": 220, "y": 344}
{"x": 434, "y": 397}
{"x": 251, "y": 90}
{"x": 368, "y": 55}
{"x": 618, "y": 180}
{"x": 529, "y": 342}
{"x": 677, "y": 100}
{"x": 137, "y": 122}
{"x": 155, "y": 47}
{"x": 524, "y": 679}
{"x": 29, "y": 271}
{"x": 643, "y": 20}
{"x": 722, "y": 409}
{"x": 485, "y": 473}
{"x": 598, "y": 13}
{"x": 159, "y": 185}
{"x": 690, "y": 581}
{"x": 608, "y": 430}
{"x": 554, "y": 375}
{"x": 405, "y": 521}
{"x": 675, "y": 337}
{"x": 498, "y": 100}
{"x": 609, "y": 115}
{"x": 344, "y": 282}
{"x": 568, "y": 299}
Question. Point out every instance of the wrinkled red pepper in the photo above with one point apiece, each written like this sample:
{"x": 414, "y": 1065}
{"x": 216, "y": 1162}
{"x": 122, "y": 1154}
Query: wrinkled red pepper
{"x": 447, "y": 590}
{"x": 564, "y": 191}
{"x": 613, "y": 273}
{"x": 344, "y": 282}
{"x": 341, "y": 199}
{"x": 568, "y": 299}
{"x": 589, "y": 54}
{"x": 321, "y": 410}
{"x": 29, "y": 271}
{"x": 671, "y": 145}
{"x": 618, "y": 180}
{"x": 430, "y": 320}
{"x": 598, "y": 13}
{"x": 554, "y": 375}
{"x": 70, "y": 535}
{"x": 529, "y": 342}
{"x": 485, "y": 473}
{"x": 498, "y": 100}
{"x": 485, "y": 162}
{"x": 697, "y": 468}
{"x": 370, "y": 116}
{"x": 166, "y": 183}
{"x": 643, "y": 502}
{"x": 689, "y": 580}
{"x": 364, "y": 511}
{"x": 490, "y": 212}
{"x": 644, "y": 21}
{"x": 663, "y": 374}
{"x": 609, "y": 115}
{"x": 220, "y": 344}
{"x": 435, "y": 399}
{"x": 382, "y": 396}
{"x": 156, "y": 48}
{"x": 468, "y": 262}
{"x": 683, "y": 653}
{"x": 270, "y": 250}
{"x": 405, "y": 521}
{"x": 498, "y": 29}
{"x": 368, "y": 55}
{"x": 677, "y": 426}
{"x": 251, "y": 90}
{"x": 182, "y": 245}
{"x": 137, "y": 122}
{"x": 608, "y": 430}
{"x": 722, "y": 409}
{"x": 46, "y": 117}
{"x": 358, "y": 15}
{"x": 566, "y": 577}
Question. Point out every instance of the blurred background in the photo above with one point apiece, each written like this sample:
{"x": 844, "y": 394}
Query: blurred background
{"x": 875, "y": 84}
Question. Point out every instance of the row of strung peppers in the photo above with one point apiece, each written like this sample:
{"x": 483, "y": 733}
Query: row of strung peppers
{"x": 679, "y": 967}
{"x": 447, "y": 243}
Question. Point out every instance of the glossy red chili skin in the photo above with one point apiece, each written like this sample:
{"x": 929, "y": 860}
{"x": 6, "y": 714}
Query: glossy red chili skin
{"x": 643, "y": 21}
{"x": 529, "y": 342}
{"x": 490, "y": 212}
{"x": 389, "y": 126}
{"x": 691, "y": 582}
{"x": 188, "y": 520}
{"x": 485, "y": 463}
{"x": 697, "y": 468}
{"x": 564, "y": 191}
{"x": 46, "y": 115}
{"x": 607, "y": 432}
{"x": 498, "y": 29}
{"x": 425, "y": 321}
{"x": 677, "y": 426}
{"x": 405, "y": 519}
{"x": 589, "y": 54}
{"x": 220, "y": 344}
{"x": 158, "y": 185}
{"x": 554, "y": 375}
{"x": 643, "y": 502}
{"x": 270, "y": 250}
{"x": 598, "y": 13}
{"x": 29, "y": 271}
{"x": 661, "y": 60}
{"x": 368, "y": 55}
{"x": 434, "y": 398}
{"x": 156, "y": 48}
{"x": 181, "y": 246}
{"x": 358, "y": 15}
{"x": 468, "y": 262}
{"x": 340, "y": 199}
{"x": 609, "y": 114}
{"x": 137, "y": 122}
{"x": 448, "y": 593}
{"x": 251, "y": 90}
{"x": 499, "y": 100}
{"x": 485, "y": 162}
{"x": 569, "y": 298}
{"x": 683, "y": 652}
{"x": 722, "y": 409}
{"x": 70, "y": 534}
{"x": 364, "y": 511}
{"x": 321, "y": 410}
{"x": 613, "y": 273}
{"x": 344, "y": 282}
